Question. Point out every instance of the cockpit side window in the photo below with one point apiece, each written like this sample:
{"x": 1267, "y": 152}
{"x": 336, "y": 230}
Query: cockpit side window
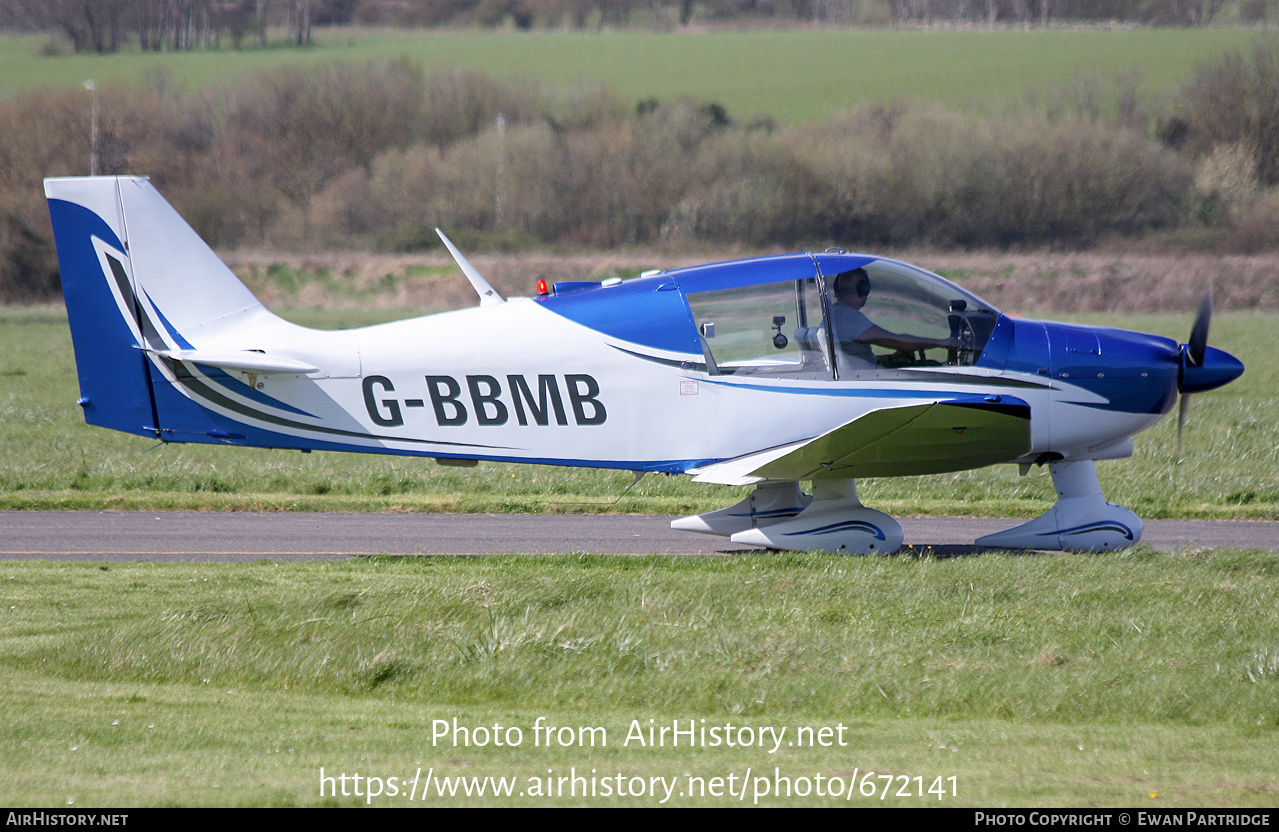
{"x": 771, "y": 330}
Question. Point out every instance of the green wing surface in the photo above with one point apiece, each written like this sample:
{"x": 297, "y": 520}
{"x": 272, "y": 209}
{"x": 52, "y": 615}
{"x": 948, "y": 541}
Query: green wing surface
{"x": 929, "y": 438}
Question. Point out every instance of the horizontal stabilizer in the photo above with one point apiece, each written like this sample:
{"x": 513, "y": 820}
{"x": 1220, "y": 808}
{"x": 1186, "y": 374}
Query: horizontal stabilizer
{"x": 239, "y": 360}
{"x": 931, "y": 438}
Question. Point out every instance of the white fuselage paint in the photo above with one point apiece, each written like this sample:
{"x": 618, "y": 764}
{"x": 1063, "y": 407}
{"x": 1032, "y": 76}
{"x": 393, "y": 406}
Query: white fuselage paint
{"x": 456, "y": 384}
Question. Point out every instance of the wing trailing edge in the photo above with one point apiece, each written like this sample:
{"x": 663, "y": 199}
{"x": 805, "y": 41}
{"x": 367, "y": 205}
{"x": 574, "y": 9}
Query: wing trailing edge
{"x": 929, "y": 438}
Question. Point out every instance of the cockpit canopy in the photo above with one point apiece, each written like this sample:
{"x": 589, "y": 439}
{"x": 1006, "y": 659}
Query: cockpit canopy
{"x": 797, "y": 326}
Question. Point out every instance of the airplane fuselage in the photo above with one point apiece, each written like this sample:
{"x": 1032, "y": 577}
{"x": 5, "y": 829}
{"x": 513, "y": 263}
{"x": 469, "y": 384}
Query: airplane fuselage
{"x": 521, "y": 383}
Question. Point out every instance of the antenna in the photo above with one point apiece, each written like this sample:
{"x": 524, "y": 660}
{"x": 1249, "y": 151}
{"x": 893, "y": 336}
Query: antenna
{"x": 488, "y": 295}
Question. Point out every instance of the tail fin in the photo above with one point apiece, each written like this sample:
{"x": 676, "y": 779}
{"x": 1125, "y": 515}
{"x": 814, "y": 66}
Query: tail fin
{"x": 124, "y": 301}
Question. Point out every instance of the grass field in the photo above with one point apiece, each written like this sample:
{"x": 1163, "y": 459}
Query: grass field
{"x": 792, "y": 76}
{"x": 1126, "y": 679}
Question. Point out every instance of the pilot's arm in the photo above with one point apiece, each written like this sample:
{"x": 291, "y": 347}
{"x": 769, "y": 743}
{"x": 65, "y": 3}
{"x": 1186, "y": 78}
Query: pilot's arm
{"x": 855, "y": 334}
{"x": 875, "y": 334}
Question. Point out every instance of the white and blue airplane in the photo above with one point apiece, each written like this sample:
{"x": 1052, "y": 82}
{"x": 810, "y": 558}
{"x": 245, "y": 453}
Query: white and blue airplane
{"x": 737, "y": 373}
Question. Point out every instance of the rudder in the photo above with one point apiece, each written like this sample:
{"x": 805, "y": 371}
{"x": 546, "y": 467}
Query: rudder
{"x": 115, "y": 387}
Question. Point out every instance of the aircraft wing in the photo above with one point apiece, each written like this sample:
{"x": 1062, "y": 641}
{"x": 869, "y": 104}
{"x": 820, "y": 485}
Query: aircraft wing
{"x": 931, "y": 438}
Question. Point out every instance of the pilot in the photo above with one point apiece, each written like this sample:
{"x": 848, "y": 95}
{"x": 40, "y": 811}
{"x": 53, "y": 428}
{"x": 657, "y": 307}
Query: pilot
{"x": 854, "y": 332}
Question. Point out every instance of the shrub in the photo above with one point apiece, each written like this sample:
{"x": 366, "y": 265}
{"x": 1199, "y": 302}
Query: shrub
{"x": 29, "y": 264}
{"x": 1236, "y": 102}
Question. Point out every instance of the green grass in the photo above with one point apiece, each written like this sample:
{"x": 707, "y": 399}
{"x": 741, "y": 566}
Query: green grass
{"x": 792, "y": 76}
{"x": 1125, "y": 679}
{"x": 49, "y": 458}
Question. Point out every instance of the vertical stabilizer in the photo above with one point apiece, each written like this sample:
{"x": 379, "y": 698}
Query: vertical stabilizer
{"x": 135, "y": 278}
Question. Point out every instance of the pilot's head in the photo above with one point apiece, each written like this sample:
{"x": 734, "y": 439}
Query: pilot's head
{"x": 852, "y": 285}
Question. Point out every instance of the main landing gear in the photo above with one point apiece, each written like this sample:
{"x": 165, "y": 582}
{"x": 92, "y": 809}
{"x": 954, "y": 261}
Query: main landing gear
{"x": 1080, "y": 521}
{"x": 778, "y": 515}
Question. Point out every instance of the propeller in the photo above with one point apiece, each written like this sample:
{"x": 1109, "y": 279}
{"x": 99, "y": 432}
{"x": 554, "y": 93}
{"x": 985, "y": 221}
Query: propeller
{"x": 1198, "y": 343}
{"x": 1195, "y": 350}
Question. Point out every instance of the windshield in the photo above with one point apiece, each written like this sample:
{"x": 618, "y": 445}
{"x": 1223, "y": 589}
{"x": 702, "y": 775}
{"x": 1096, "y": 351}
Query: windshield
{"x": 880, "y": 317}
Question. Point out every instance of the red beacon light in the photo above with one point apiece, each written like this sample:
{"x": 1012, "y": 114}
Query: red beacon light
{"x": 542, "y": 288}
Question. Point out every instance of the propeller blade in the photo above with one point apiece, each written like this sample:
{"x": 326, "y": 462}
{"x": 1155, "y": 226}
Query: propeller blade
{"x": 1196, "y": 348}
{"x": 1198, "y": 342}
{"x": 1182, "y": 409}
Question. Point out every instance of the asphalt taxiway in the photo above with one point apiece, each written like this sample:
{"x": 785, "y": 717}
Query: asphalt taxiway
{"x": 185, "y": 536}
